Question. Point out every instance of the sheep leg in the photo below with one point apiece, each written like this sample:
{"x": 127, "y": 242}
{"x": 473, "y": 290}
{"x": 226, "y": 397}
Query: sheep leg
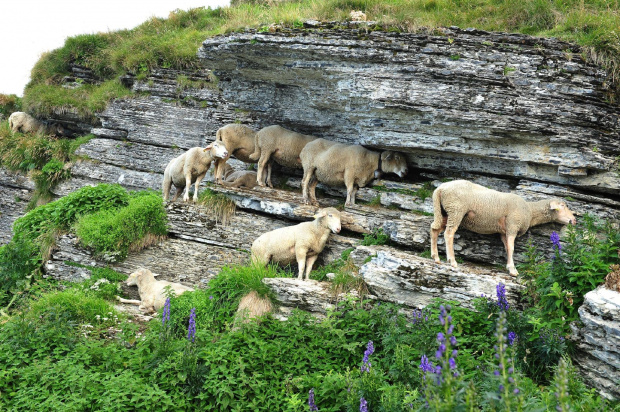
{"x": 177, "y": 192}
{"x": 188, "y": 184}
{"x": 166, "y": 186}
{"x": 300, "y": 254}
{"x": 308, "y": 175}
{"x": 436, "y": 228}
{"x": 452, "y": 225}
{"x": 198, "y": 180}
{"x": 269, "y": 165}
{"x": 510, "y": 247}
{"x": 313, "y": 184}
{"x": 310, "y": 264}
{"x": 262, "y": 162}
{"x": 130, "y": 301}
{"x": 349, "y": 182}
{"x": 217, "y": 172}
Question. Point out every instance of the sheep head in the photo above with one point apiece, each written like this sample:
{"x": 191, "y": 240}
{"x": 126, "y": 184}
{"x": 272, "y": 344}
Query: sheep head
{"x": 218, "y": 149}
{"x": 394, "y": 162}
{"x": 333, "y": 218}
{"x": 136, "y": 276}
{"x": 561, "y": 213}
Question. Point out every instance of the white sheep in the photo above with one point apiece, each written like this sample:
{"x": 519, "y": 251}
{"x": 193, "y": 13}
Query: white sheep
{"x": 275, "y": 143}
{"x": 301, "y": 243}
{"x": 151, "y": 291}
{"x": 238, "y": 178}
{"x": 486, "y": 211}
{"x": 338, "y": 164}
{"x": 239, "y": 141}
{"x": 190, "y": 167}
{"x": 24, "y": 123}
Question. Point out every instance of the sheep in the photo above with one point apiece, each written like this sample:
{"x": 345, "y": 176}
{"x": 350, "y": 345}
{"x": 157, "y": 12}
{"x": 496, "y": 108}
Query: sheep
{"x": 275, "y": 143}
{"x": 486, "y": 211}
{"x": 301, "y": 243}
{"x": 152, "y": 292}
{"x": 239, "y": 141}
{"x": 190, "y": 167}
{"x": 354, "y": 166}
{"x": 238, "y": 178}
{"x": 24, "y": 123}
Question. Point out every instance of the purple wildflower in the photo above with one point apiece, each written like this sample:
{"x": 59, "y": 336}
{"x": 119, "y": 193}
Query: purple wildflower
{"x": 502, "y": 302}
{"x": 166, "y": 314}
{"x": 370, "y": 349}
{"x": 311, "y": 403}
{"x": 426, "y": 365}
{"x": 512, "y": 337}
{"x": 555, "y": 240}
{"x": 210, "y": 297}
{"x": 191, "y": 330}
{"x": 363, "y": 405}
{"x": 452, "y": 363}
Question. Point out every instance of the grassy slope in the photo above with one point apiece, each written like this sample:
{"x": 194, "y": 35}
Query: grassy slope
{"x": 173, "y": 42}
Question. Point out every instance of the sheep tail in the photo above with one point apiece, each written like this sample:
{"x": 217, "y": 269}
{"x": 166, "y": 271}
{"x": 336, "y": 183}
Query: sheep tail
{"x": 437, "y": 209}
{"x": 256, "y": 155}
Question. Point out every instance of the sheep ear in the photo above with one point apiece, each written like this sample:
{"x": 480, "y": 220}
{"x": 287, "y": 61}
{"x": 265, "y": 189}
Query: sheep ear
{"x": 555, "y": 205}
{"x": 320, "y": 213}
{"x": 208, "y": 147}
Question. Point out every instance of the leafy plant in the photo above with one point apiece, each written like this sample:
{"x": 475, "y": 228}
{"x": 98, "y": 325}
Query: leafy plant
{"x": 377, "y": 237}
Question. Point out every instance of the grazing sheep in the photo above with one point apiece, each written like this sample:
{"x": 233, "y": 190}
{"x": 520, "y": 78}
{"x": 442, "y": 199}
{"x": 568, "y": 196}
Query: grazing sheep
{"x": 152, "y": 296}
{"x": 486, "y": 211}
{"x": 301, "y": 243}
{"x": 354, "y": 166}
{"x": 239, "y": 141}
{"x": 191, "y": 167}
{"x": 238, "y": 178}
{"x": 24, "y": 123}
{"x": 275, "y": 143}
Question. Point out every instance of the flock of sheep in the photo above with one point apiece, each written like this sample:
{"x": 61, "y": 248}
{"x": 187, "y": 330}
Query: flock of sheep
{"x": 459, "y": 203}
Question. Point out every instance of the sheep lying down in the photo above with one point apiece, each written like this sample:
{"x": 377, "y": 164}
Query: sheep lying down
{"x": 301, "y": 243}
{"x": 486, "y": 211}
{"x": 24, "y": 123}
{"x": 152, "y": 296}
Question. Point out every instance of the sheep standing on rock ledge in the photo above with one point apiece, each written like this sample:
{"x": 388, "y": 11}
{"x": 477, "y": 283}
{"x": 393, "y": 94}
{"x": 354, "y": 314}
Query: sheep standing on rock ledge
{"x": 24, "y": 123}
{"x": 487, "y": 211}
{"x": 191, "y": 167}
{"x": 239, "y": 141}
{"x": 354, "y": 166}
{"x": 301, "y": 243}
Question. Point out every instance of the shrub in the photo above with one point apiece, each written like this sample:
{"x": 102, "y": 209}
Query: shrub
{"x": 113, "y": 233}
{"x": 9, "y": 103}
{"x": 377, "y": 237}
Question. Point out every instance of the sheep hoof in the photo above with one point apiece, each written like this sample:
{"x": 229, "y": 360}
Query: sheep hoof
{"x": 454, "y": 264}
{"x": 437, "y": 260}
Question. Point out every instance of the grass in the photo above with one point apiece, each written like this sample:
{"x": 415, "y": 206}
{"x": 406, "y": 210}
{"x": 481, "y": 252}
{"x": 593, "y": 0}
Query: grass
{"x": 220, "y": 207}
{"x": 172, "y": 42}
{"x": 45, "y": 159}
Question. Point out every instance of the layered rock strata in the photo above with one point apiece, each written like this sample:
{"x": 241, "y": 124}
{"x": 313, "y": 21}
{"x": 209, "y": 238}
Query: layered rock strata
{"x": 598, "y": 341}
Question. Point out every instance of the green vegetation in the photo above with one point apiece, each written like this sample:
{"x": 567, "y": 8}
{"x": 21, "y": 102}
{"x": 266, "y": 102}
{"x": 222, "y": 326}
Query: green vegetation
{"x": 377, "y": 237}
{"x": 108, "y": 218}
{"x": 219, "y": 206}
{"x": 9, "y": 103}
{"x": 172, "y": 42}
{"x": 113, "y": 233}
{"x": 45, "y": 159}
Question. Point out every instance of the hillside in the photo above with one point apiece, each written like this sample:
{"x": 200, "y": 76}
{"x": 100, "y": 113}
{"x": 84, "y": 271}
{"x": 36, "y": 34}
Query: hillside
{"x": 522, "y": 103}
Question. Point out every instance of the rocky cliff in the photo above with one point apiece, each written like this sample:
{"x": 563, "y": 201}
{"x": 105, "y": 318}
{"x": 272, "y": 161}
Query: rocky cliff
{"x": 512, "y": 112}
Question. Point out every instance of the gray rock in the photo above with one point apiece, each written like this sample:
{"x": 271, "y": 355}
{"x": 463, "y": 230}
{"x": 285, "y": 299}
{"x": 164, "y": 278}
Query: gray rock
{"x": 597, "y": 340}
{"x": 410, "y": 280}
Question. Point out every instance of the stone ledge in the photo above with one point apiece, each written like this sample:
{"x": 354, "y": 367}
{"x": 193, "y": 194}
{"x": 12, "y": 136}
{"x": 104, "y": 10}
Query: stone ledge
{"x": 413, "y": 281}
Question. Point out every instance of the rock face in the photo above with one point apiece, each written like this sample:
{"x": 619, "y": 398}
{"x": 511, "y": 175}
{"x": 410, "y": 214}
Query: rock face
{"x": 15, "y": 192}
{"x": 466, "y": 100}
{"x": 598, "y": 341}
